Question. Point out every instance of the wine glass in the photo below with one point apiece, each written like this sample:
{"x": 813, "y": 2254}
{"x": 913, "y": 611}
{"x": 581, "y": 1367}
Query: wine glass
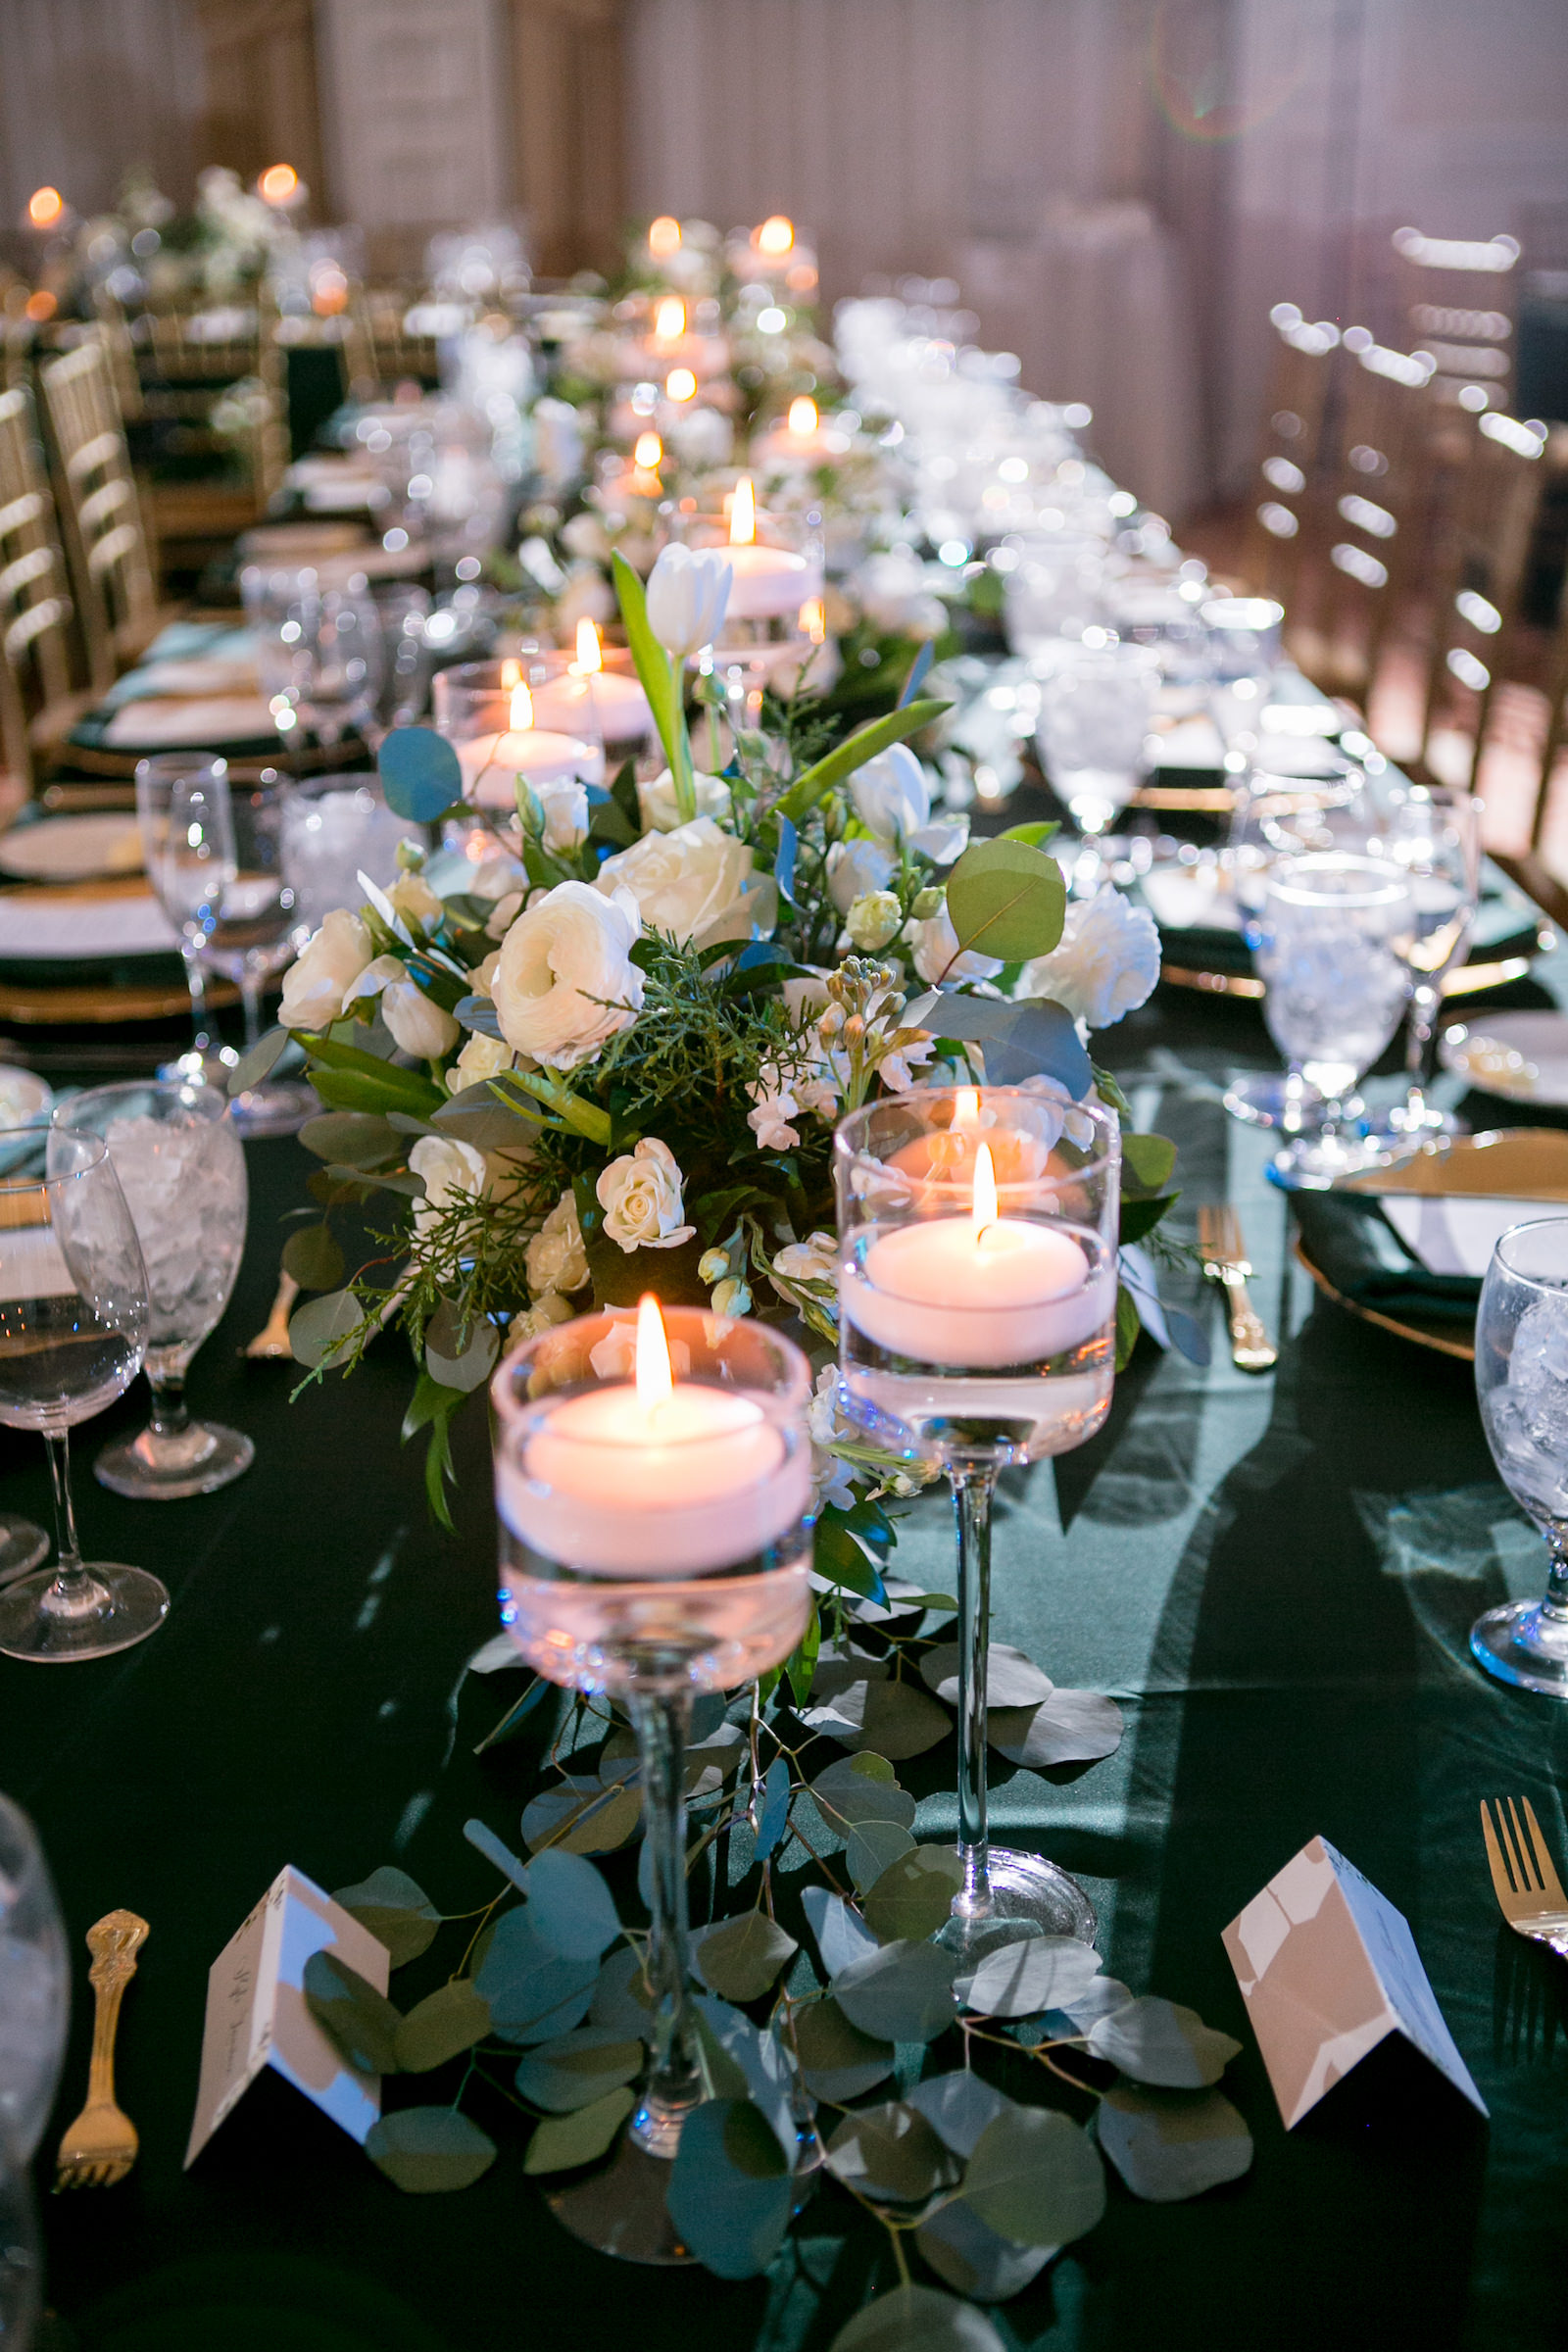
{"x": 1332, "y": 956}
{"x": 34, "y": 1991}
{"x": 23, "y": 1544}
{"x": 73, "y": 1332}
{"x": 977, "y": 1313}
{"x": 333, "y": 829}
{"x": 654, "y": 1490}
{"x": 181, "y": 1167}
{"x": 320, "y": 666}
{"x": 1095, "y": 713}
{"x": 187, "y": 846}
{"x": 253, "y": 937}
{"x": 1433, "y": 834}
{"x": 1522, "y": 1384}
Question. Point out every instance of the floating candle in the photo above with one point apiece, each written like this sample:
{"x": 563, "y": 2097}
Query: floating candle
{"x": 616, "y": 701}
{"x": 491, "y": 763}
{"x": 766, "y": 582}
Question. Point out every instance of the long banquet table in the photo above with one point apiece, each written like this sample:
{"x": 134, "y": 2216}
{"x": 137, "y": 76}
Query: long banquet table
{"x": 1274, "y": 1576}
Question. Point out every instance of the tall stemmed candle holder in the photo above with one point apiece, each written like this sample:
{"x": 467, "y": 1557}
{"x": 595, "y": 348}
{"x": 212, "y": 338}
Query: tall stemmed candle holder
{"x": 977, "y": 1311}
{"x": 654, "y": 1488}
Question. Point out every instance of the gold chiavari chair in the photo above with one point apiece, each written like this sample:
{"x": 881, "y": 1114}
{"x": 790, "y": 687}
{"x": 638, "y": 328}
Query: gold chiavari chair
{"x": 37, "y": 703}
{"x": 1479, "y": 579}
{"x": 1456, "y": 301}
{"x": 100, "y": 509}
{"x": 1279, "y": 530}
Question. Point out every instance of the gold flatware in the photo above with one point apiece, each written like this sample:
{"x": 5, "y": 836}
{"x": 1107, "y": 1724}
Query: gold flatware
{"x": 1225, "y": 1261}
{"x": 100, "y": 2146}
{"x": 272, "y": 1338}
{"x": 1528, "y": 1888}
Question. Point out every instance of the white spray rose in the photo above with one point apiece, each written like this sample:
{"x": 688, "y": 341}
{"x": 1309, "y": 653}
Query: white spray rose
{"x": 855, "y": 867}
{"x": 815, "y": 1260}
{"x": 688, "y": 595}
{"x": 695, "y": 883}
{"x": 556, "y": 1259}
{"x": 641, "y": 1197}
{"x": 656, "y": 801}
{"x": 563, "y": 812}
{"x": 417, "y": 1025}
{"x": 416, "y": 900}
{"x": 452, "y": 1171}
{"x": 565, "y": 980}
{"x": 1106, "y": 963}
{"x": 482, "y": 1058}
{"x": 318, "y": 985}
{"x": 873, "y": 920}
{"x": 935, "y": 947}
{"x": 893, "y": 801}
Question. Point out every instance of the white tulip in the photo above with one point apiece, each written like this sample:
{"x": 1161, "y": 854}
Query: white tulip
{"x": 641, "y": 1197}
{"x": 556, "y": 1259}
{"x": 565, "y": 980}
{"x": 658, "y": 807}
{"x": 318, "y": 985}
{"x": 419, "y": 1026}
{"x": 893, "y": 801}
{"x": 688, "y": 594}
{"x": 855, "y": 867}
{"x": 696, "y": 884}
{"x": 1106, "y": 963}
{"x": 452, "y": 1171}
{"x": 562, "y": 807}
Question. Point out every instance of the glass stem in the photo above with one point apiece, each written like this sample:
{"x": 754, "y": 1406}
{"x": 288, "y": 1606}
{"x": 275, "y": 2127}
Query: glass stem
{"x": 72, "y": 1593}
{"x": 1423, "y": 1020}
{"x": 674, "y": 2086}
{"x": 250, "y": 996}
{"x": 196, "y": 982}
{"x": 973, "y": 1486}
{"x": 1556, "y": 1603}
{"x": 170, "y": 1416}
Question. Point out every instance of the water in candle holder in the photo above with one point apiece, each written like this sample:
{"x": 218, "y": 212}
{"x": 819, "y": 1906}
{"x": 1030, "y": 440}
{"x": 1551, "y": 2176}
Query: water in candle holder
{"x": 706, "y": 1633}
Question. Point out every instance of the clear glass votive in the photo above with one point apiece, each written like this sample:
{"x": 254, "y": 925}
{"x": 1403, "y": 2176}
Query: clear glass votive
{"x": 487, "y": 712}
{"x": 775, "y": 560}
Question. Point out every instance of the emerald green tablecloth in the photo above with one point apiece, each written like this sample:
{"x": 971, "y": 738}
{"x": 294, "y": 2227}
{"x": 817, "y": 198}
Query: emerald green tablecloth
{"x": 1273, "y": 1577}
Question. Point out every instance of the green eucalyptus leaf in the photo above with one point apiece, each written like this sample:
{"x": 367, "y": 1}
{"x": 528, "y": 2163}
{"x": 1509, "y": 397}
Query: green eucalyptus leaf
{"x": 1038, "y": 1972}
{"x": 420, "y": 777}
{"x": 902, "y": 1992}
{"x": 473, "y": 1366}
{"x": 1169, "y": 2144}
{"x": 534, "y": 1993}
{"x": 1006, "y": 900}
{"x": 446, "y": 2022}
{"x": 1036, "y": 2178}
{"x": 1148, "y": 1162}
{"x": 582, "y": 1816}
{"x": 354, "y": 1138}
{"x": 914, "y": 1895}
{"x": 569, "y": 1906}
{"x": 894, "y": 1718}
{"x": 1161, "y": 2042}
{"x": 562, "y": 2142}
{"x": 730, "y": 2193}
{"x": 917, "y": 2319}
{"x": 396, "y": 1911}
{"x": 842, "y": 1935}
{"x": 958, "y": 2106}
{"x": 862, "y": 1788}
{"x": 259, "y": 1063}
{"x": 322, "y": 1331}
{"x": 741, "y": 1957}
{"x": 482, "y": 1837}
{"x": 1070, "y": 1727}
{"x": 578, "y": 2067}
{"x": 773, "y": 1814}
{"x": 872, "y": 1847}
{"x": 361, "y": 2023}
{"x": 971, "y": 2257}
{"x": 1012, "y": 1680}
{"x": 428, "y": 2149}
{"x": 892, "y": 2154}
{"x": 314, "y": 1258}
{"x": 837, "y": 2060}
{"x": 623, "y": 2001}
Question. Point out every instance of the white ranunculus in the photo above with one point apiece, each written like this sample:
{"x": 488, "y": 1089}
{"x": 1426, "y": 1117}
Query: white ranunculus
{"x": 452, "y": 1171}
{"x": 565, "y": 980}
{"x": 562, "y": 806}
{"x": 815, "y": 1260}
{"x": 873, "y": 920}
{"x": 416, "y": 900}
{"x": 419, "y": 1026}
{"x": 656, "y": 801}
{"x": 694, "y": 884}
{"x": 935, "y": 947}
{"x": 556, "y": 1259}
{"x": 482, "y": 1058}
{"x": 855, "y": 867}
{"x": 893, "y": 801}
{"x": 1106, "y": 963}
{"x": 688, "y": 594}
{"x": 317, "y": 985}
{"x": 641, "y": 1197}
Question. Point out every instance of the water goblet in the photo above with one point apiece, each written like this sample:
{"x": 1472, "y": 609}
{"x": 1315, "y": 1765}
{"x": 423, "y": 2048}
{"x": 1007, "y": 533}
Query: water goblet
{"x": 1522, "y": 1386}
{"x": 334, "y": 828}
{"x": 320, "y": 666}
{"x": 977, "y": 1311}
{"x": 181, "y": 1168}
{"x": 1097, "y": 709}
{"x": 187, "y": 846}
{"x": 34, "y": 1991}
{"x": 654, "y": 1490}
{"x": 23, "y": 1544}
{"x": 1433, "y": 834}
{"x": 73, "y": 1331}
{"x": 252, "y": 938}
{"x": 1332, "y": 956}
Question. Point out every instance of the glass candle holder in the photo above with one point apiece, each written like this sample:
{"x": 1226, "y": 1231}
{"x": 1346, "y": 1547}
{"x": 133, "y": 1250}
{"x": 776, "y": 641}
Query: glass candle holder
{"x": 654, "y": 1490}
{"x": 486, "y": 711}
{"x": 599, "y": 678}
{"x": 977, "y": 1313}
{"x": 775, "y": 563}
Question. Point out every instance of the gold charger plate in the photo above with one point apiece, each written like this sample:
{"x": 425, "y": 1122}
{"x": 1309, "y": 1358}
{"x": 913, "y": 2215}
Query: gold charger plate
{"x": 33, "y": 1005}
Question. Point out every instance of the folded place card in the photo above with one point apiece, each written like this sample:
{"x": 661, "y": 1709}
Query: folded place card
{"x": 1328, "y": 1970}
{"x": 257, "y": 2017}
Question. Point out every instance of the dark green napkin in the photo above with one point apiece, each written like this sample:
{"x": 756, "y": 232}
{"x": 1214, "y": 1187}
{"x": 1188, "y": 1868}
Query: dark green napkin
{"x": 1352, "y": 1244}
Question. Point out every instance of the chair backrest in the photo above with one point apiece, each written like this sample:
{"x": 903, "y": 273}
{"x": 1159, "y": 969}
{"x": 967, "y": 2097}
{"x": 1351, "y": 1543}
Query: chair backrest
{"x": 1479, "y": 577}
{"x": 35, "y": 607}
{"x": 1290, "y": 452}
{"x": 1373, "y": 515}
{"x": 104, "y": 532}
{"x": 1456, "y": 299}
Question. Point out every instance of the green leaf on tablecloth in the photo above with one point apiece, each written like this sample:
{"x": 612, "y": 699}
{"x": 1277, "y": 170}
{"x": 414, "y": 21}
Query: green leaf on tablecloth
{"x": 356, "y": 1138}
{"x": 578, "y": 2067}
{"x": 958, "y": 2106}
{"x": 894, "y": 1718}
{"x": 460, "y": 1350}
{"x": 420, "y": 777}
{"x": 892, "y": 2154}
{"x": 902, "y": 1992}
{"x": 914, "y": 1894}
{"x": 863, "y": 1788}
{"x": 1006, "y": 900}
{"x": 837, "y": 1556}
{"x": 1101, "y": 1997}
{"x": 1129, "y": 1326}
{"x": 259, "y": 1063}
{"x": 361, "y": 2023}
{"x": 582, "y": 1816}
{"x": 973, "y": 2258}
{"x": 494, "y": 1849}
{"x": 535, "y": 1994}
{"x": 479, "y": 1116}
{"x": 730, "y": 2193}
{"x": 842, "y": 1935}
{"x": 428, "y": 2149}
{"x": 872, "y": 1847}
{"x": 1138, "y": 1217}
{"x": 837, "y": 2060}
{"x": 1012, "y": 1680}
{"x": 562, "y": 2142}
{"x": 624, "y": 2002}
{"x": 451, "y": 2019}
{"x": 1070, "y": 1727}
{"x": 395, "y": 1909}
{"x": 1159, "y": 2041}
{"x": 1169, "y": 2144}
{"x": 314, "y": 1258}
{"x": 741, "y": 1958}
{"x": 1148, "y": 1162}
{"x": 917, "y": 2319}
{"x": 319, "y": 1332}
{"x": 1036, "y": 2178}
{"x": 569, "y": 1906}
{"x": 773, "y": 1819}
{"x": 1038, "y": 1972}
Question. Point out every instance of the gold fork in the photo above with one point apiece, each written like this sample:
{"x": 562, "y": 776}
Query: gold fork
{"x": 100, "y": 2148}
{"x": 272, "y": 1338}
{"x": 1528, "y": 1888}
{"x": 1225, "y": 1261}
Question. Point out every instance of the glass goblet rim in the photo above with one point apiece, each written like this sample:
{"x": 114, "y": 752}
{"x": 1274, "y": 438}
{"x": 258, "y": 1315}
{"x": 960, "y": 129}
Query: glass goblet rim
{"x": 1507, "y": 1246}
{"x": 1389, "y": 885}
{"x": 32, "y": 1136}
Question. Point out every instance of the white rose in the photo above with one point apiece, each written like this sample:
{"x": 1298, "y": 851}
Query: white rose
{"x": 688, "y": 594}
{"x": 565, "y": 980}
{"x": 419, "y": 1026}
{"x": 482, "y": 1058}
{"x": 1106, "y": 963}
{"x": 416, "y": 900}
{"x": 815, "y": 1260}
{"x": 641, "y": 1197}
{"x": 855, "y": 867}
{"x": 695, "y": 883}
{"x": 317, "y": 986}
{"x": 656, "y": 801}
{"x": 563, "y": 811}
{"x": 893, "y": 801}
{"x": 873, "y": 920}
{"x": 452, "y": 1171}
{"x": 556, "y": 1259}
{"x": 934, "y": 945}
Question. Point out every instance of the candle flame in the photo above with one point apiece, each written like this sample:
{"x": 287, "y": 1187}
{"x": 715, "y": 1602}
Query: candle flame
{"x": 669, "y": 318}
{"x": 590, "y": 656}
{"x": 776, "y": 234}
{"x": 985, "y": 1192}
{"x": 664, "y": 235}
{"x": 680, "y": 384}
{"x": 511, "y": 675}
{"x": 803, "y": 415}
{"x": 813, "y": 621}
{"x": 743, "y": 513}
{"x": 45, "y": 207}
{"x": 967, "y": 1110}
{"x": 520, "y": 716}
{"x": 654, "y": 1380}
{"x": 278, "y": 183}
{"x": 649, "y": 451}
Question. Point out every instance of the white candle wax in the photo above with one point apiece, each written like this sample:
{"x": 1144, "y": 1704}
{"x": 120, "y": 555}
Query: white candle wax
{"x": 700, "y": 1481}
{"x": 491, "y": 763}
{"x": 769, "y": 581}
{"x": 618, "y": 703}
{"x": 944, "y": 1291}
